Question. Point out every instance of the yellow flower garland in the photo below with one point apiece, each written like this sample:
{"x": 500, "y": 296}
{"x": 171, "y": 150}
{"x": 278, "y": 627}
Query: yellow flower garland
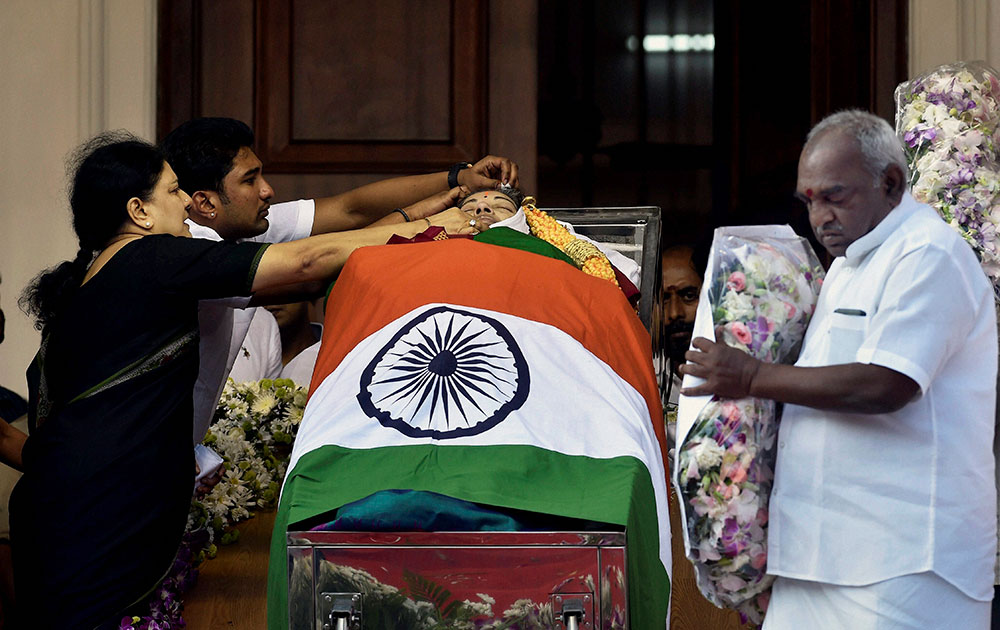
{"x": 583, "y": 253}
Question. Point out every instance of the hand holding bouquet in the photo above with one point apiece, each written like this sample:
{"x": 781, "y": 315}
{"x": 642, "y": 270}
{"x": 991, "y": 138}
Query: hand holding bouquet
{"x": 761, "y": 289}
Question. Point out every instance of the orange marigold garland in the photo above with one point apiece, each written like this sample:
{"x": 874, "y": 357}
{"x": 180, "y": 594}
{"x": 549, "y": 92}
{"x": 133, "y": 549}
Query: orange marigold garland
{"x": 585, "y": 254}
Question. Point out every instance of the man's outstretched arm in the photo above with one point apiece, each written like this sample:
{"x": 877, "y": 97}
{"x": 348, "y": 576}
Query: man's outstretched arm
{"x": 362, "y": 206}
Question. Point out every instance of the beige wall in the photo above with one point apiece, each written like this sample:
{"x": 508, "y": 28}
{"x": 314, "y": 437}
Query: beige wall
{"x": 943, "y": 31}
{"x": 70, "y": 68}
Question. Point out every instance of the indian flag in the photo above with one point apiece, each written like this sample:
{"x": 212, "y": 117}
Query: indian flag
{"x": 490, "y": 375}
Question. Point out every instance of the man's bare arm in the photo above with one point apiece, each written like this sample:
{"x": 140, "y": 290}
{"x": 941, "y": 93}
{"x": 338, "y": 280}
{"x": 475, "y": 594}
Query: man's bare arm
{"x": 364, "y": 205}
{"x": 851, "y": 387}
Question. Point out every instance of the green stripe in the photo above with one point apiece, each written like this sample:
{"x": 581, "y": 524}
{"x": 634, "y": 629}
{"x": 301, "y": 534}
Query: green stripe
{"x": 507, "y": 237}
{"x": 617, "y": 491}
{"x": 253, "y": 267}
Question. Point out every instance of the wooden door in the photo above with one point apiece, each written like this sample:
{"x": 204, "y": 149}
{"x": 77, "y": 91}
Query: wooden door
{"x": 343, "y": 93}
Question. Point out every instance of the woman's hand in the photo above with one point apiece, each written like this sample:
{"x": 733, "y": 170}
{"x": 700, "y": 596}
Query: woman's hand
{"x": 455, "y": 221}
{"x": 728, "y": 372}
{"x": 489, "y": 173}
{"x": 435, "y": 203}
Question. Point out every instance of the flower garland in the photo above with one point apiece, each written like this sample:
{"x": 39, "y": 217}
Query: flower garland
{"x": 762, "y": 291}
{"x": 948, "y": 122}
{"x": 253, "y": 429}
{"x": 583, "y": 253}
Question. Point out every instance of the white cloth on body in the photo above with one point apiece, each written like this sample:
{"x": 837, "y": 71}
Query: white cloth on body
{"x": 259, "y": 356}
{"x": 624, "y": 264}
{"x": 221, "y": 331}
{"x": 861, "y": 498}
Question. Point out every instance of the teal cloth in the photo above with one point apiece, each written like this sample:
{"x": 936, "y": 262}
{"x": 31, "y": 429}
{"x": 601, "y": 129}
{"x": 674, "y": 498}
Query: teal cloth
{"x": 410, "y": 510}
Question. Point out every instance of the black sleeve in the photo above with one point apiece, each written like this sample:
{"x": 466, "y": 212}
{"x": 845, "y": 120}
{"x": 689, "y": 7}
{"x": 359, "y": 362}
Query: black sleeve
{"x": 201, "y": 268}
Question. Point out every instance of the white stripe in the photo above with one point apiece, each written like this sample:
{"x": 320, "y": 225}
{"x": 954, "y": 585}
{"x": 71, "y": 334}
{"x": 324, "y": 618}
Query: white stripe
{"x": 577, "y": 405}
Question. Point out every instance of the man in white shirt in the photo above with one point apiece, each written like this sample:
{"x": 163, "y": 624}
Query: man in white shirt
{"x": 883, "y": 508}
{"x": 230, "y": 199}
{"x": 260, "y": 355}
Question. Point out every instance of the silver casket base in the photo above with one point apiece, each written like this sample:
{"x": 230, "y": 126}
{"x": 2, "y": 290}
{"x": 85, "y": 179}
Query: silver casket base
{"x": 397, "y": 580}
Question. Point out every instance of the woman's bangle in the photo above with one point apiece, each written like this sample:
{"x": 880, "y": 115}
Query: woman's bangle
{"x": 400, "y": 211}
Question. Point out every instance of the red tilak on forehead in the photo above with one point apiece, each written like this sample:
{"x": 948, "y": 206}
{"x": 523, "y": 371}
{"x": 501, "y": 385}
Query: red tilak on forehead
{"x": 809, "y": 193}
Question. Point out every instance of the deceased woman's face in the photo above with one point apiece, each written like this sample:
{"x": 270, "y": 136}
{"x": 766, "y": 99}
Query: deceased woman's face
{"x": 488, "y": 207}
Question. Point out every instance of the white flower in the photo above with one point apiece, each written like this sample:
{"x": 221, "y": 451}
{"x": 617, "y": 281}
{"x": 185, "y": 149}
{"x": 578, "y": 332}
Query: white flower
{"x": 738, "y": 304}
{"x": 707, "y": 453}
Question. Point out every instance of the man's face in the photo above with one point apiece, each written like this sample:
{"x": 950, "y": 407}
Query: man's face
{"x": 290, "y": 315}
{"x": 843, "y": 200}
{"x": 681, "y": 287}
{"x": 245, "y": 198}
{"x": 488, "y": 207}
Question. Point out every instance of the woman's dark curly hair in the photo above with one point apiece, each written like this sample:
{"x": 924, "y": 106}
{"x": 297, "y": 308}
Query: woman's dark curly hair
{"x": 107, "y": 171}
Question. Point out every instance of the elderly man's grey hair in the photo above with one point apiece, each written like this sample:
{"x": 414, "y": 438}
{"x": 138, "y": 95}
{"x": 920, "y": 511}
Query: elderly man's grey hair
{"x": 876, "y": 139}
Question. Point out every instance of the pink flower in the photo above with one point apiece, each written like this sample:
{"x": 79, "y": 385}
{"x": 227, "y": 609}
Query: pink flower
{"x": 790, "y": 309}
{"x": 737, "y": 281}
{"x": 736, "y": 472}
{"x": 731, "y": 412}
{"x": 741, "y": 332}
{"x": 759, "y": 560}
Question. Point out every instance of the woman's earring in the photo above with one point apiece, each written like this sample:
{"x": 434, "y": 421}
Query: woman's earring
{"x": 148, "y": 224}
{"x": 212, "y": 215}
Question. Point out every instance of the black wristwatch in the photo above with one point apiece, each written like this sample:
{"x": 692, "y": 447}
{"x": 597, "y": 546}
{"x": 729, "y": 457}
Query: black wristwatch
{"x": 453, "y": 173}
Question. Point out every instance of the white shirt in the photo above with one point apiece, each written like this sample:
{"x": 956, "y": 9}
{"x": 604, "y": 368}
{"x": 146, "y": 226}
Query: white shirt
{"x": 300, "y": 368}
{"x": 259, "y": 356}
{"x": 860, "y": 498}
{"x": 626, "y": 265}
{"x": 221, "y": 327}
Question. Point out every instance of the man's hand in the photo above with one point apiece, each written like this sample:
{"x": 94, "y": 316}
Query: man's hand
{"x": 436, "y": 203}
{"x": 728, "y": 372}
{"x": 489, "y": 173}
{"x": 454, "y": 221}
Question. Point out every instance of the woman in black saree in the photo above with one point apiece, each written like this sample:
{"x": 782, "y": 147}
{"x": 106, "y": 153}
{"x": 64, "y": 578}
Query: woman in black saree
{"x": 108, "y": 467}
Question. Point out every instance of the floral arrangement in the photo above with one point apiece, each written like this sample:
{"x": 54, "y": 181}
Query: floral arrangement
{"x": 253, "y": 429}
{"x": 762, "y": 290}
{"x": 948, "y": 121}
{"x": 584, "y": 254}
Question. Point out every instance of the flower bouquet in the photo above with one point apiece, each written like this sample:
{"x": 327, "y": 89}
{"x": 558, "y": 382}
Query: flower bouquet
{"x": 253, "y": 429}
{"x": 947, "y": 120}
{"x": 761, "y": 288}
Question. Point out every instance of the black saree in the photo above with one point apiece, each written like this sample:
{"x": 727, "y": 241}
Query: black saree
{"x": 109, "y": 467}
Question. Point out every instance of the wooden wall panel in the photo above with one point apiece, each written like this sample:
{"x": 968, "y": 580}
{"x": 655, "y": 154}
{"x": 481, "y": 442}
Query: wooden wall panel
{"x": 226, "y": 89}
{"x": 354, "y": 63}
{"x": 404, "y": 92}
{"x": 374, "y": 95}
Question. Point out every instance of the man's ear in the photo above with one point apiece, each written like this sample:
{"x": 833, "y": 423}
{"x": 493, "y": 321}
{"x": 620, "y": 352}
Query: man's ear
{"x": 895, "y": 184}
{"x": 137, "y": 213}
{"x": 204, "y": 206}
